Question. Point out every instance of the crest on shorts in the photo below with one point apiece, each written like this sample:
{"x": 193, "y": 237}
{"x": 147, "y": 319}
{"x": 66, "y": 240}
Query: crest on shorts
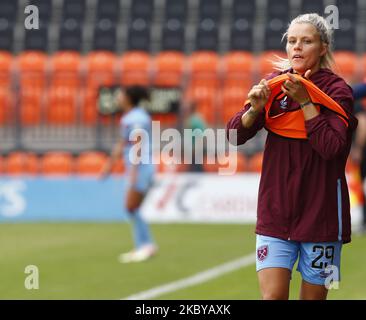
{"x": 262, "y": 252}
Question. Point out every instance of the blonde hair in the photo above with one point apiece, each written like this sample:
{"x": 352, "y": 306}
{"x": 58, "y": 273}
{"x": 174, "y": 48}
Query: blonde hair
{"x": 326, "y": 36}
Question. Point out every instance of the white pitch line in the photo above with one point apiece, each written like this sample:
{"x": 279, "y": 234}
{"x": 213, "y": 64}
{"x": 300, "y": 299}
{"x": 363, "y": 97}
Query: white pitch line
{"x": 195, "y": 279}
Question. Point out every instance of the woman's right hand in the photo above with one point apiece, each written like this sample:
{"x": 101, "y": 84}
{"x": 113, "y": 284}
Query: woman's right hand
{"x": 259, "y": 95}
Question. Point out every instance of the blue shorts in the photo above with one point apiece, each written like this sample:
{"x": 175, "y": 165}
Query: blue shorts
{"x": 319, "y": 263}
{"x": 144, "y": 179}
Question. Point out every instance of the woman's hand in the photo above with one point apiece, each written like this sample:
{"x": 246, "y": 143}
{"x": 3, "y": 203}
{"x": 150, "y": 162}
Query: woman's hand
{"x": 294, "y": 89}
{"x": 106, "y": 170}
{"x": 259, "y": 95}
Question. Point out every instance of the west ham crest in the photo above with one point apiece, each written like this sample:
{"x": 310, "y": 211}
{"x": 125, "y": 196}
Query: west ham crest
{"x": 283, "y": 103}
{"x": 262, "y": 252}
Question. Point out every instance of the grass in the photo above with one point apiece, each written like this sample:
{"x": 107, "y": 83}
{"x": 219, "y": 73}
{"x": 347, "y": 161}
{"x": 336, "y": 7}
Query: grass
{"x": 79, "y": 261}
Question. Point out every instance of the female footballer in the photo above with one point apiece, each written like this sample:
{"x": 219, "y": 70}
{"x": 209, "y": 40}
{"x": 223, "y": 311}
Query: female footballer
{"x": 303, "y": 203}
{"x": 135, "y": 144}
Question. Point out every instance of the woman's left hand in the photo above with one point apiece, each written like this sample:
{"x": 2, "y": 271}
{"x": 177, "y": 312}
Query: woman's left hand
{"x": 294, "y": 89}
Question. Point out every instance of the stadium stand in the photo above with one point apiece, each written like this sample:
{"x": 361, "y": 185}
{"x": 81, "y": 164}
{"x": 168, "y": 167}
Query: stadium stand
{"x": 50, "y": 77}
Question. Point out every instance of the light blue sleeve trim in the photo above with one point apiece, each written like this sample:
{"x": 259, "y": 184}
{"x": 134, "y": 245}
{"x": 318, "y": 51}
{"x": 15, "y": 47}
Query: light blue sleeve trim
{"x": 339, "y": 198}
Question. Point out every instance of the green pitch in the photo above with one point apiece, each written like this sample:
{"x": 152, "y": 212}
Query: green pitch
{"x": 79, "y": 261}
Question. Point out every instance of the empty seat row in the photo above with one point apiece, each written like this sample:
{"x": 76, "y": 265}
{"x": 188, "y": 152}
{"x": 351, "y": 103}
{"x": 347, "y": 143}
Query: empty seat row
{"x": 168, "y": 68}
{"x": 173, "y": 36}
{"x": 139, "y": 67}
{"x": 63, "y": 88}
{"x": 70, "y": 37}
{"x": 92, "y": 162}
{"x": 53, "y": 163}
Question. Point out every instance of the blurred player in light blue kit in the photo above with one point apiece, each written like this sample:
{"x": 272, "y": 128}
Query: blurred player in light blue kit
{"x": 135, "y": 144}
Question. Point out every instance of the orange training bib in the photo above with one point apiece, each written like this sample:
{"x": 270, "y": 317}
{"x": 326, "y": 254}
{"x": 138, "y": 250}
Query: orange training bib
{"x": 292, "y": 124}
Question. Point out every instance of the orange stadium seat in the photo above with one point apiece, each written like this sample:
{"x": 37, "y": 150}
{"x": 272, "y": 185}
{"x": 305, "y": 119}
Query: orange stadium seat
{"x": 237, "y": 68}
{"x": 101, "y": 67}
{"x": 203, "y": 69}
{"x": 264, "y": 62}
{"x": 5, "y": 104}
{"x": 32, "y": 67}
{"x": 232, "y": 101}
{"x": 18, "y": 163}
{"x": 232, "y": 81}
{"x": 202, "y": 62}
{"x": 134, "y": 68}
{"x": 347, "y": 64}
{"x": 31, "y": 105}
{"x": 204, "y": 83}
{"x": 90, "y": 163}
{"x": 6, "y": 60}
{"x": 89, "y": 109}
{"x": 32, "y": 73}
{"x": 237, "y": 62}
{"x": 62, "y": 103}
{"x": 66, "y": 61}
{"x": 204, "y": 80}
{"x": 169, "y": 69}
{"x": 65, "y": 67}
{"x": 57, "y": 163}
{"x": 206, "y": 99}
